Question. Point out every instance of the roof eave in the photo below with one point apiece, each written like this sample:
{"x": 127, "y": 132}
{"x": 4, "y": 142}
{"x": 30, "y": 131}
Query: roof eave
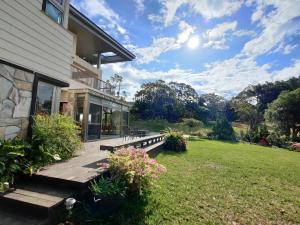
{"x": 125, "y": 53}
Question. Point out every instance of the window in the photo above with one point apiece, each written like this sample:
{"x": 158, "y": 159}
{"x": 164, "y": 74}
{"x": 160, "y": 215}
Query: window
{"x": 44, "y": 98}
{"x": 54, "y": 10}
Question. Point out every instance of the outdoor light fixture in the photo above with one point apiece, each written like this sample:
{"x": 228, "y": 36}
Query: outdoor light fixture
{"x": 69, "y": 203}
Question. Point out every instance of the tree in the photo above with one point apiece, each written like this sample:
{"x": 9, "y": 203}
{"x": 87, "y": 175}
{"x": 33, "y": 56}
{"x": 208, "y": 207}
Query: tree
{"x": 189, "y": 99}
{"x": 116, "y": 81}
{"x": 264, "y": 94}
{"x": 245, "y": 112}
{"x": 184, "y": 92}
{"x": 215, "y": 105}
{"x": 157, "y": 100}
{"x": 284, "y": 113}
{"x": 222, "y": 130}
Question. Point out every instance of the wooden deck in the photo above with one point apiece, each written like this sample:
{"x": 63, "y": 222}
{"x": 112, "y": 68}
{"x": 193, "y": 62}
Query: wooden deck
{"x": 80, "y": 169}
{"x": 83, "y": 167}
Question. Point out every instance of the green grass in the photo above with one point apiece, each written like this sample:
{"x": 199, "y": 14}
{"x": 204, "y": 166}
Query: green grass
{"x": 221, "y": 183}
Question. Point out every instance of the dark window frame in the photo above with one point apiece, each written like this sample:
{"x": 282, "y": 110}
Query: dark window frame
{"x": 40, "y": 77}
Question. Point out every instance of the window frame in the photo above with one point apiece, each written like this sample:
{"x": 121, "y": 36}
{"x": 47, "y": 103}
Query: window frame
{"x": 55, "y": 98}
{"x": 58, "y": 6}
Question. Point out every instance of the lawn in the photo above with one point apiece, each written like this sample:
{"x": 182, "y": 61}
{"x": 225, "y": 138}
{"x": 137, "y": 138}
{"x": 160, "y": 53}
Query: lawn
{"x": 221, "y": 183}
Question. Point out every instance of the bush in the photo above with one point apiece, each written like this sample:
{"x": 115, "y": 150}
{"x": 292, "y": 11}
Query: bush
{"x": 135, "y": 167}
{"x": 108, "y": 187}
{"x": 192, "y": 123}
{"x": 222, "y": 130}
{"x": 275, "y": 139}
{"x": 174, "y": 141}
{"x": 256, "y": 135}
{"x": 192, "y": 126}
{"x": 55, "y": 137}
{"x": 14, "y": 158}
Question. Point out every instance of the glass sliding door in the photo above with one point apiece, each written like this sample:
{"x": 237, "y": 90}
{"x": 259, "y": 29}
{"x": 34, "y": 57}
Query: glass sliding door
{"x": 116, "y": 119}
{"x": 107, "y": 125}
{"x": 94, "y": 121}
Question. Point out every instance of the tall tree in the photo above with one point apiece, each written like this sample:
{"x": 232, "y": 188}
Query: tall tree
{"x": 263, "y": 94}
{"x": 284, "y": 113}
{"x": 116, "y": 80}
{"x": 184, "y": 92}
{"x": 245, "y": 112}
{"x": 157, "y": 100}
{"x": 215, "y": 104}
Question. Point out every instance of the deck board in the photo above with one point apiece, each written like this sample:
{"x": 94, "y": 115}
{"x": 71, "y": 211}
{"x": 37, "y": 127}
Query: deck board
{"x": 32, "y": 198}
{"x": 84, "y": 167}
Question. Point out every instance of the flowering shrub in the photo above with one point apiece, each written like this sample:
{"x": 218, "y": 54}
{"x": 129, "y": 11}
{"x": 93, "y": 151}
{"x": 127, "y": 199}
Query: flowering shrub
{"x": 174, "y": 141}
{"x": 136, "y": 167}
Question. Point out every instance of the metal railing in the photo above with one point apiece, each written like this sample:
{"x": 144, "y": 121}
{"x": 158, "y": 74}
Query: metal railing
{"x": 94, "y": 82}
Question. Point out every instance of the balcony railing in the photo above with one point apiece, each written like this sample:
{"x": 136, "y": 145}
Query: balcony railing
{"x": 94, "y": 82}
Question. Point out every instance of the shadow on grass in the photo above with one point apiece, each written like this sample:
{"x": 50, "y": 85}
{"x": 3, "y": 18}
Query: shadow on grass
{"x": 132, "y": 212}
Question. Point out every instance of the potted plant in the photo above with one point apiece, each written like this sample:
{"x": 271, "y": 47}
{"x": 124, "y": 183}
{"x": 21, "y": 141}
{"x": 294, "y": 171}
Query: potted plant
{"x": 108, "y": 194}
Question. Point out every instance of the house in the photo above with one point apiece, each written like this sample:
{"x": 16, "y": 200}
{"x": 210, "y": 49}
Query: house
{"x": 50, "y": 61}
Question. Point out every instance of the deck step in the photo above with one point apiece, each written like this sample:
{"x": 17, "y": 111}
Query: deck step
{"x": 154, "y": 149}
{"x": 38, "y": 199}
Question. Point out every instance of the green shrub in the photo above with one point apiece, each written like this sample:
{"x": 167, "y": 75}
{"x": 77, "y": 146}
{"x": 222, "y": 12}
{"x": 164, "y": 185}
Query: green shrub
{"x": 256, "y": 135}
{"x": 174, "y": 141}
{"x": 222, "y": 130}
{"x": 192, "y": 123}
{"x": 191, "y": 126}
{"x": 55, "y": 137}
{"x": 108, "y": 187}
{"x": 275, "y": 139}
{"x": 14, "y": 158}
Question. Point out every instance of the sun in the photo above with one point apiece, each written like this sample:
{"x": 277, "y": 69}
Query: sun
{"x": 193, "y": 42}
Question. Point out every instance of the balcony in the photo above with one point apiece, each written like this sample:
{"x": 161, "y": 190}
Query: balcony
{"x": 94, "y": 82}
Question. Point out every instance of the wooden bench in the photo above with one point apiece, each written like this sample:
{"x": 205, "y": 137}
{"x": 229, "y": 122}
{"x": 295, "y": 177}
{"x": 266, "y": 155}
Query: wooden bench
{"x": 138, "y": 142}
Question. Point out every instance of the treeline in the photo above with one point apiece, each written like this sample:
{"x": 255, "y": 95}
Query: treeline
{"x": 269, "y": 108}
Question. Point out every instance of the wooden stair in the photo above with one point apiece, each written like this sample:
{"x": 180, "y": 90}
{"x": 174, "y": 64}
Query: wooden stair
{"x": 35, "y": 202}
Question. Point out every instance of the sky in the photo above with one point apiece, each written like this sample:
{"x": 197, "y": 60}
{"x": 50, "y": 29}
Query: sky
{"x": 217, "y": 46}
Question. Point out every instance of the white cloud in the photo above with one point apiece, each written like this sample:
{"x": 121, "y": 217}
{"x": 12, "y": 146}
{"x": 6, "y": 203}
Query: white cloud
{"x": 278, "y": 24}
{"x": 289, "y": 48}
{"x": 240, "y": 33}
{"x": 207, "y": 8}
{"x": 258, "y": 14}
{"x": 155, "y": 18}
{"x": 164, "y": 44}
{"x": 226, "y": 78}
{"x": 288, "y": 72}
{"x": 109, "y": 19}
{"x": 284, "y": 49}
{"x": 140, "y": 5}
{"x": 216, "y": 37}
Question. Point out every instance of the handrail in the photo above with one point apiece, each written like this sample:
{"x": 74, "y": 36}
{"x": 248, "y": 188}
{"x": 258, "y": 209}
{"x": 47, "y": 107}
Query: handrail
{"x": 94, "y": 82}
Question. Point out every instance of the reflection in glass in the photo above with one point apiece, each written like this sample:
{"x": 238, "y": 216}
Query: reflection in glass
{"x": 53, "y": 12}
{"x": 107, "y": 126}
{"x": 94, "y": 121}
{"x": 44, "y": 98}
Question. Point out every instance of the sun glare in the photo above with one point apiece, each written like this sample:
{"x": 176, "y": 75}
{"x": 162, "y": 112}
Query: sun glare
{"x": 193, "y": 42}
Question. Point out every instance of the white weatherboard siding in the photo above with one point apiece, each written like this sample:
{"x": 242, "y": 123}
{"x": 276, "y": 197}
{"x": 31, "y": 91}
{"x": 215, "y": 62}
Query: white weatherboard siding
{"x": 30, "y": 39}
